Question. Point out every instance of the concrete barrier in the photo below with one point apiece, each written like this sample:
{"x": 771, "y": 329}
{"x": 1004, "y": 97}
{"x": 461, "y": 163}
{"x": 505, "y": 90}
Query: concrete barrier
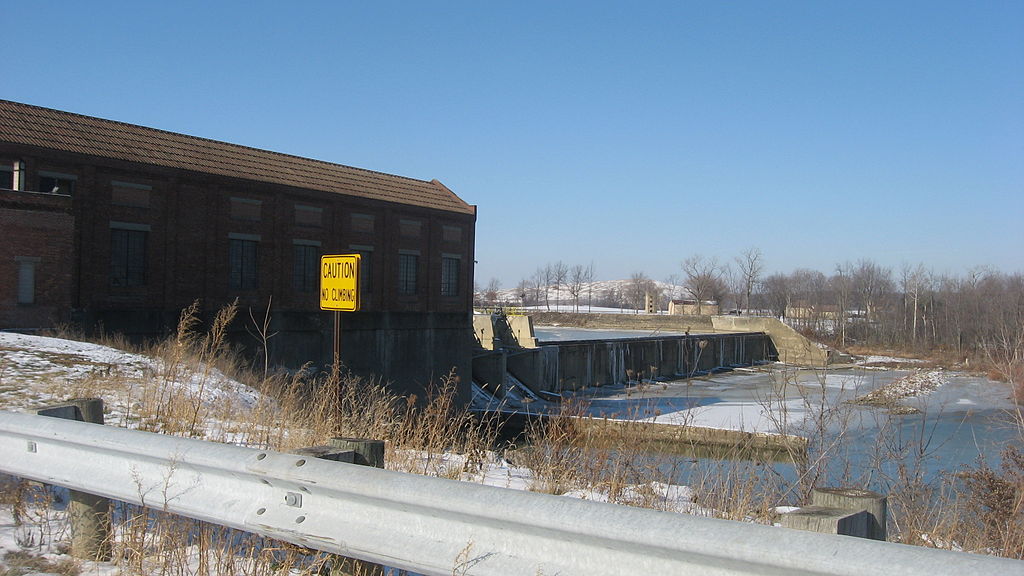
{"x": 846, "y": 511}
{"x": 828, "y": 520}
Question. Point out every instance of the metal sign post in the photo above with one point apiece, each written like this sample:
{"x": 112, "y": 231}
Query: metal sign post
{"x": 339, "y": 291}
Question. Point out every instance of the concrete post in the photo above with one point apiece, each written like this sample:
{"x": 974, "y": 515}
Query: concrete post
{"x": 363, "y": 452}
{"x": 327, "y": 453}
{"x": 368, "y": 452}
{"x": 91, "y": 531}
{"x": 828, "y": 520}
{"x": 855, "y": 499}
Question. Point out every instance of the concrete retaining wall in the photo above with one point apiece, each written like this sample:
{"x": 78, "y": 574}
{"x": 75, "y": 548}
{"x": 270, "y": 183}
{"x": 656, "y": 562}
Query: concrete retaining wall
{"x": 793, "y": 347}
{"x": 494, "y": 331}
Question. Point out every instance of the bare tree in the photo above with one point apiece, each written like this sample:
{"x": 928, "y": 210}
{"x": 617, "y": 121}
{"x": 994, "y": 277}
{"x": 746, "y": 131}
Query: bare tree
{"x": 576, "y": 278}
{"x": 705, "y": 279}
{"x": 523, "y": 292}
{"x": 979, "y": 314}
{"x": 807, "y": 290}
{"x": 915, "y": 281}
{"x": 871, "y": 281}
{"x": 842, "y": 287}
{"x": 778, "y": 293}
{"x": 491, "y": 292}
{"x": 537, "y": 286}
{"x": 639, "y": 287}
{"x": 750, "y": 267}
{"x": 676, "y": 286}
{"x": 588, "y": 279}
{"x": 559, "y": 274}
{"x": 545, "y": 276}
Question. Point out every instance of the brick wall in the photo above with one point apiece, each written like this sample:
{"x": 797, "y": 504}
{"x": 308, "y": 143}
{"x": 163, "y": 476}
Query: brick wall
{"x": 38, "y": 231}
{"x": 189, "y": 219}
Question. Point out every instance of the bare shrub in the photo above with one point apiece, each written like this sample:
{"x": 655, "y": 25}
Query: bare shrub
{"x": 555, "y": 451}
{"x": 995, "y": 503}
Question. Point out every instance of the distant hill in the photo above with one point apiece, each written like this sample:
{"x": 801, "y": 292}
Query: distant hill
{"x": 602, "y": 293}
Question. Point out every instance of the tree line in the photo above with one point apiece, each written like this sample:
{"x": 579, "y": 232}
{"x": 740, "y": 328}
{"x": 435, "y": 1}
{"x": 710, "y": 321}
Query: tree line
{"x": 554, "y": 284}
{"x": 860, "y": 302}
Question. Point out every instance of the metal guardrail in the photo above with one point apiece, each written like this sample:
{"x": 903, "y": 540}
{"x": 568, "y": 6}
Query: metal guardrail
{"x": 432, "y": 525}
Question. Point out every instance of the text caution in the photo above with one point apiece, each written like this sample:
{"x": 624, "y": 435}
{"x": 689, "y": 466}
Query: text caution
{"x": 339, "y": 282}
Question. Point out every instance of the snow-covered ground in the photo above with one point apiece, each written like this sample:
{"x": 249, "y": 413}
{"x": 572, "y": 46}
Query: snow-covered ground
{"x": 876, "y": 360}
{"x": 913, "y": 384}
{"x": 36, "y": 371}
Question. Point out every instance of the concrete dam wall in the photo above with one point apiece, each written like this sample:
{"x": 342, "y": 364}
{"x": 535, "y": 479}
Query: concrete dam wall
{"x": 577, "y": 364}
{"x": 510, "y": 348}
{"x": 793, "y": 347}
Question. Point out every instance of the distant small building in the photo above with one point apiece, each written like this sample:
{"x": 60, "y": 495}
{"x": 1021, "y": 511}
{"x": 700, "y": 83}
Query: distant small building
{"x": 119, "y": 226}
{"x": 690, "y": 307}
{"x": 805, "y": 311}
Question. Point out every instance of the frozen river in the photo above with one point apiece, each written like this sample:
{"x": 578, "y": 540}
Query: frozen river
{"x": 963, "y": 418}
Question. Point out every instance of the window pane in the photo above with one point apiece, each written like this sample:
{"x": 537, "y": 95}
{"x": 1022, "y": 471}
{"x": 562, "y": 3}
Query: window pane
{"x": 407, "y": 268}
{"x": 127, "y": 257}
{"x": 243, "y": 256}
{"x": 27, "y": 283}
{"x": 450, "y": 276}
{"x": 305, "y": 277}
{"x": 249, "y": 266}
{"x": 56, "y": 185}
{"x": 118, "y": 250}
{"x": 136, "y": 259}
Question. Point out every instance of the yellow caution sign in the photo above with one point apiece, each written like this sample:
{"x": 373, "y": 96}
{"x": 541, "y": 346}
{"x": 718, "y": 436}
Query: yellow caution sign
{"x": 339, "y": 282}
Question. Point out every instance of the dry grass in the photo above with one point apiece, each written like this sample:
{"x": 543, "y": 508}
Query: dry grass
{"x": 21, "y": 562}
{"x": 630, "y": 462}
{"x": 979, "y": 509}
{"x": 289, "y": 412}
{"x": 995, "y": 505}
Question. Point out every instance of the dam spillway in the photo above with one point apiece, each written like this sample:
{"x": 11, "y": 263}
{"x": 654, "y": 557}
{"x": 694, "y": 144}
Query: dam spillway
{"x": 580, "y": 363}
{"x": 550, "y": 360}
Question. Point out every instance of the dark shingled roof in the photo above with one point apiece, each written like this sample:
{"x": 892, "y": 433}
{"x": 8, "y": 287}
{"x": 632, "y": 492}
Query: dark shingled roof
{"x": 53, "y": 129}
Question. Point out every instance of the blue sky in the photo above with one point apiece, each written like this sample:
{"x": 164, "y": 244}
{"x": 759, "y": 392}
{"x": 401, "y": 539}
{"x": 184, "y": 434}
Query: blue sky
{"x": 631, "y": 135}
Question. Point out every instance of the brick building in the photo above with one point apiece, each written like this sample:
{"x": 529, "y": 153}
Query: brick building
{"x": 118, "y": 225}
